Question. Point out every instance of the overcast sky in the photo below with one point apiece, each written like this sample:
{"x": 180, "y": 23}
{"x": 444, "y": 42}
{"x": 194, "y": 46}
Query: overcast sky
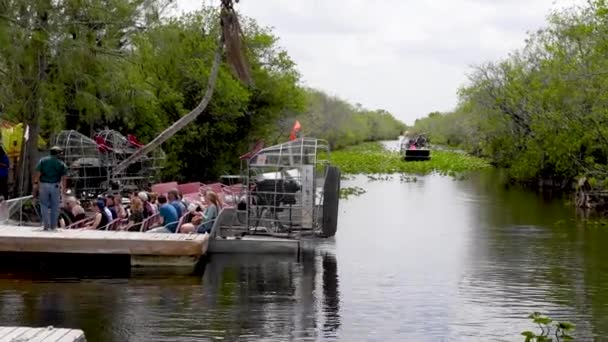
{"x": 408, "y": 57}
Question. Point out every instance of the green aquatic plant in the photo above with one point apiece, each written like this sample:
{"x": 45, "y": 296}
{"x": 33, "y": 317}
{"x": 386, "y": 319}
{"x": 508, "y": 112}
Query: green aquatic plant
{"x": 379, "y": 177}
{"x": 373, "y": 159}
{"x": 407, "y": 179}
{"x": 347, "y": 192}
{"x": 550, "y": 331}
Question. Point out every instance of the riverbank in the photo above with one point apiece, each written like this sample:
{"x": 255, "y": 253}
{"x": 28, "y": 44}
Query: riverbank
{"x": 374, "y": 158}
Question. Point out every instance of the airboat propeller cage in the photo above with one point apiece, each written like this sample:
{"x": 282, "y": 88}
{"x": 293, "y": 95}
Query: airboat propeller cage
{"x": 91, "y": 162}
{"x": 287, "y": 182}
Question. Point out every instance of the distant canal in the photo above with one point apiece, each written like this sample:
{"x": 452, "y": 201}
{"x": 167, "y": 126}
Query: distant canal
{"x": 432, "y": 260}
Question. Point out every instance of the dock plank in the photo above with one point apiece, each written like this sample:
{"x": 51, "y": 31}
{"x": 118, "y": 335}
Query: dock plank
{"x": 14, "y": 333}
{"x": 73, "y": 336}
{"x": 25, "y": 334}
{"x": 27, "y": 239}
{"x": 4, "y": 331}
{"x": 54, "y": 335}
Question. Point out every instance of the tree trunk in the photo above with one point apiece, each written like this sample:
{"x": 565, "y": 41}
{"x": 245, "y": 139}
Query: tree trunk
{"x": 34, "y": 104}
{"x": 30, "y": 157}
{"x": 183, "y": 121}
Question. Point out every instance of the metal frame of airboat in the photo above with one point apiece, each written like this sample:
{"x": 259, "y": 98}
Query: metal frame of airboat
{"x": 92, "y": 161}
{"x": 283, "y": 199}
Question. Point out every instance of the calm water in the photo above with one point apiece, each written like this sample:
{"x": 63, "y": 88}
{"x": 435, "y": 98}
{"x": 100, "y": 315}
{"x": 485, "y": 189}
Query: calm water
{"x": 434, "y": 260}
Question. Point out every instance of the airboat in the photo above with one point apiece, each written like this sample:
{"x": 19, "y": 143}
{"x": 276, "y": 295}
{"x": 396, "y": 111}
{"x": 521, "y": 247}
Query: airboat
{"x": 91, "y": 162}
{"x": 415, "y": 149}
{"x": 290, "y": 191}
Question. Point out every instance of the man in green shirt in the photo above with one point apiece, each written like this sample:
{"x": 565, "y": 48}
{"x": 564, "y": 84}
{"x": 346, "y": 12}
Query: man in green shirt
{"x": 49, "y": 184}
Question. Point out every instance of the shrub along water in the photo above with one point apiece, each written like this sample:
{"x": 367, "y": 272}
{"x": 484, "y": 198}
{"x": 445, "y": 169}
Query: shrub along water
{"x": 372, "y": 158}
{"x": 540, "y": 112}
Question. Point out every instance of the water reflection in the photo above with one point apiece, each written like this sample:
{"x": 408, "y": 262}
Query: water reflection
{"x": 532, "y": 255}
{"x": 433, "y": 260}
{"x": 245, "y": 298}
{"x": 331, "y": 299}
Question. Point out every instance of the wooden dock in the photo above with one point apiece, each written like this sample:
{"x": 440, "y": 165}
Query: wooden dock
{"x": 145, "y": 249}
{"x": 49, "y": 334}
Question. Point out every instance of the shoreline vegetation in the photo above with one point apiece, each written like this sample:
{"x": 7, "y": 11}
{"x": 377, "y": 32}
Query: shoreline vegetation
{"x": 541, "y": 112}
{"x": 134, "y": 68}
{"x": 373, "y": 160}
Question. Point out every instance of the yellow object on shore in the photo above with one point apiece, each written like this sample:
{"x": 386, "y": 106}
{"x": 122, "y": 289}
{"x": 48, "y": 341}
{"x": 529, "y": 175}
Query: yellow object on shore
{"x": 12, "y": 139}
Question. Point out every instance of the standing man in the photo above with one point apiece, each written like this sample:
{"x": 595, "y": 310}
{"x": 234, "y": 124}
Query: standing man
{"x": 49, "y": 184}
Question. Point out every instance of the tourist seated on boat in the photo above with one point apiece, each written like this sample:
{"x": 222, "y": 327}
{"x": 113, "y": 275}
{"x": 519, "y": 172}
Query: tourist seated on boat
{"x": 137, "y": 214}
{"x": 148, "y": 207}
{"x": 102, "y": 215}
{"x": 421, "y": 141}
{"x": 74, "y": 207}
{"x": 194, "y": 210}
{"x": 73, "y": 210}
{"x": 111, "y": 206}
{"x": 175, "y": 201}
{"x": 120, "y": 208}
{"x": 208, "y": 216}
{"x": 168, "y": 215}
{"x": 153, "y": 200}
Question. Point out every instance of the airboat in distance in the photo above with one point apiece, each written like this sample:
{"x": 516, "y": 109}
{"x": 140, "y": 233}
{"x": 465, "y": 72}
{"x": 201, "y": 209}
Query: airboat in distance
{"x": 415, "y": 149}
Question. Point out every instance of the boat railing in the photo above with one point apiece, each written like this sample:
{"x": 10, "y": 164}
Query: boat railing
{"x": 19, "y": 209}
{"x": 225, "y": 218}
{"x": 80, "y": 224}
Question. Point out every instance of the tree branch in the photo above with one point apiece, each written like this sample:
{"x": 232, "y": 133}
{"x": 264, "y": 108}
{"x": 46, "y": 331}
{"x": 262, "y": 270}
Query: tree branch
{"x": 183, "y": 121}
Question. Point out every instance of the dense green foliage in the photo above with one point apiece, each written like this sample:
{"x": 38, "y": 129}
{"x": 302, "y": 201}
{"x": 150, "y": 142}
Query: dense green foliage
{"x": 121, "y": 64}
{"x": 373, "y": 158}
{"x": 343, "y": 124}
{"x": 543, "y": 111}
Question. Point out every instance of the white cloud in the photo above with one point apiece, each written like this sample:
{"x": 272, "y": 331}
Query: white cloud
{"x": 405, "y": 56}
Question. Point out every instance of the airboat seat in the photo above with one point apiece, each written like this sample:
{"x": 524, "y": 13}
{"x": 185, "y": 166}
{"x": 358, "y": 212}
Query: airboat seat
{"x": 189, "y": 188}
{"x": 235, "y": 189}
{"x": 147, "y": 223}
{"x": 192, "y": 197}
{"x": 232, "y": 194}
{"x": 133, "y": 141}
{"x": 218, "y": 188}
{"x": 101, "y": 144}
{"x": 79, "y": 224}
{"x": 113, "y": 225}
{"x": 163, "y": 188}
{"x": 181, "y": 222}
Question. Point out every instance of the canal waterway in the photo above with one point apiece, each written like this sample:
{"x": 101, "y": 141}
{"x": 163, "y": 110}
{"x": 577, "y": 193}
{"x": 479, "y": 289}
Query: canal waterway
{"x": 431, "y": 260}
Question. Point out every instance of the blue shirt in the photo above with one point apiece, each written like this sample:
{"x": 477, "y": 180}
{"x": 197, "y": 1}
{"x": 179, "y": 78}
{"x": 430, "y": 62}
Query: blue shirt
{"x": 179, "y": 206}
{"x": 4, "y": 169}
{"x": 113, "y": 212}
{"x": 169, "y": 215}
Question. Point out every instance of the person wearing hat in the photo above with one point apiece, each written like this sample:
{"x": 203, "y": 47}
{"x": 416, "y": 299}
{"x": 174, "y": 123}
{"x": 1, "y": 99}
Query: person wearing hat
{"x": 49, "y": 184}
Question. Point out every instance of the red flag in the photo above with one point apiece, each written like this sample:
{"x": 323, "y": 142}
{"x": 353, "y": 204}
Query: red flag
{"x": 294, "y": 130}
